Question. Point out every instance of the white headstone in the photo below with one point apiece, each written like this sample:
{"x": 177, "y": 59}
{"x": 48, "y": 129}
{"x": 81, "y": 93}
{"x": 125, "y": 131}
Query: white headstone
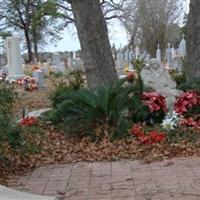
{"x": 69, "y": 62}
{"x": 158, "y": 54}
{"x": 127, "y": 55}
{"x": 120, "y": 63}
{"x": 131, "y": 54}
{"x": 57, "y": 64}
{"x": 14, "y": 62}
{"x": 169, "y": 57}
{"x": 147, "y": 58}
{"x": 182, "y": 47}
{"x": 74, "y": 55}
{"x": 39, "y": 77}
{"x": 137, "y": 52}
{"x": 173, "y": 52}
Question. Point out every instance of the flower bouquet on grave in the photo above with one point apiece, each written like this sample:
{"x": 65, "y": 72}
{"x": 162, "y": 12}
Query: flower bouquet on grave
{"x": 157, "y": 107}
{"x": 152, "y": 137}
{"x": 29, "y": 84}
{"x": 188, "y": 106}
{"x": 28, "y": 121}
{"x": 171, "y": 121}
{"x": 188, "y": 103}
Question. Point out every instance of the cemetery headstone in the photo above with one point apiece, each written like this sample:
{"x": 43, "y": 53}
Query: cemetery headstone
{"x": 182, "y": 47}
{"x": 70, "y": 62}
{"x": 169, "y": 57}
{"x": 14, "y": 60}
{"x": 158, "y": 54}
{"x": 120, "y": 59}
{"x": 74, "y": 55}
{"x": 137, "y": 52}
{"x": 39, "y": 77}
{"x": 57, "y": 64}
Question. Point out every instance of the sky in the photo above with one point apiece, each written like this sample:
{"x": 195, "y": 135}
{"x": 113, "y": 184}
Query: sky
{"x": 70, "y": 42}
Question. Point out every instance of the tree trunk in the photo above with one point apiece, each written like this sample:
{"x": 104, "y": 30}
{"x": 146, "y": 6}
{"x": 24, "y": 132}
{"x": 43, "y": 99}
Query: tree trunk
{"x": 93, "y": 35}
{"x": 193, "y": 40}
{"x": 28, "y": 43}
{"x": 36, "y": 57}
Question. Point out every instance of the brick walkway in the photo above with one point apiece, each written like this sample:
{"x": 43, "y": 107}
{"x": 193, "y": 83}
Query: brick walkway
{"x": 125, "y": 180}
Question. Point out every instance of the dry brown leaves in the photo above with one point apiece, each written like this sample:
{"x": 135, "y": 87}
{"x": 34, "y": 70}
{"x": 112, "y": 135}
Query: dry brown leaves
{"x": 56, "y": 148}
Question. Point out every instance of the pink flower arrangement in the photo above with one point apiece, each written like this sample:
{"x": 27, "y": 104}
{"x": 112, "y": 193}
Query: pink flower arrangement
{"x": 154, "y": 101}
{"x": 187, "y": 100}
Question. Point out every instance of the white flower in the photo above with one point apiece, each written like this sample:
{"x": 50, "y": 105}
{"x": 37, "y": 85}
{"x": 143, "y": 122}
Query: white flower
{"x": 171, "y": 121}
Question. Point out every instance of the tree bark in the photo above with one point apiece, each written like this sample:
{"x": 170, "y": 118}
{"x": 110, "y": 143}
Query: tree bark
{"x": 35, "y": 45}
{"x": 28, "y": 43}
{"x": 193, "y": 40}
{"x": 93, "y": 35}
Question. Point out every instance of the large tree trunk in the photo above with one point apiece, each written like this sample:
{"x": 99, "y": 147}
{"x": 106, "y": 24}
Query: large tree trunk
{"x": 28, "y": 43}
{"x": 95, "y": 46}
{"x": 193, "y": 40}
{"x": 35, "y": 45}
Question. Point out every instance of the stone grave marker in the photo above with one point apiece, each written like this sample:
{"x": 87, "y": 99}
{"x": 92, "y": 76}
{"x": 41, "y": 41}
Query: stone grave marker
{"x": 158, "y": 53}
{"x": 182, "y": 47}
{"x": 14, "y": 60}
{"x": 57, "y": 65}
{"x": 169, "y": 57}
{"x": 137, "y": 52}
{"x": 39, "y": 77}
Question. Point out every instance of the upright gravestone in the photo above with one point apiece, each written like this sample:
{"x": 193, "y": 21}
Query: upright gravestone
{"x": 182, "y": 47}
{"x": 158, "y": 54}
{"x": 57, "y": 64}
{"x": 147, "y": 58}
{"x": 173, "y": 52}
{"x": 39, "y": 77}
{"x": 137, "y": 52}
{"x": 14, "y": 60}
{"x": 169, "y": 57}
{"x": 74, "y": 55}
{"x": 120, "y": 59}
{"x": 70, "y": 63}
{"x": 127, "y": 55}
{"x": 131, "y": 54}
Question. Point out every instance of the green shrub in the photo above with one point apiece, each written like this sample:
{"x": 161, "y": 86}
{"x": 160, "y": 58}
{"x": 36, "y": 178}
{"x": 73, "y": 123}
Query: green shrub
{"x": 193, "y": 84}
{"x": 7, "y": 98}
{"x": 178, "y": 77}
{"x": 113, "y": 105}
{"x": 63, "y": 84}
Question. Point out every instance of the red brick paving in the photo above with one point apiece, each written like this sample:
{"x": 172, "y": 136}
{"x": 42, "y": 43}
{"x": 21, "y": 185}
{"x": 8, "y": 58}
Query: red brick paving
{"x": 177, "y": 179}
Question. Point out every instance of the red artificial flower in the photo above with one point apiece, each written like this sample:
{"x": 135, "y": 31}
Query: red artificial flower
{"x": 190, "y": 122}
{"x": 154, "y": 101}
{"x": 28, "y": 121}
{"x": 136, "y": 130}
{"x": 156, "y": 137}
{"x": 130, "y": 76}
{"x": 152, "y": 138}
{"x": 187, "y": 100}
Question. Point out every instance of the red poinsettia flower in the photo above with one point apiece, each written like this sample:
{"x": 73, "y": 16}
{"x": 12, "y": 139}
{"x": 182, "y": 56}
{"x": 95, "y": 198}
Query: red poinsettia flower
{"x": 187, "y": 100}
{"x": 154, "y": 101}
{"x": 28, "y": 121}
{"x": 136, "y": 130}
{"x": 152, "y": 138}
{"x": 156, "y": 137}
